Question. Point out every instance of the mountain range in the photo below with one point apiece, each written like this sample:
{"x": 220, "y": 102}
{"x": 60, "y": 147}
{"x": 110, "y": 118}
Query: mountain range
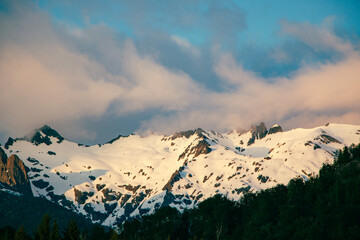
{"x": 135, "y": 175}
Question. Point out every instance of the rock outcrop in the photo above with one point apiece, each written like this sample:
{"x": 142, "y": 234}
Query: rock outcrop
{"x": 37, "y": 137}
{"x": 257, "y": 132}
{"x": 275, "y": 129}
{"x": 13, "y": 173}
{"x": 260, "y": 131}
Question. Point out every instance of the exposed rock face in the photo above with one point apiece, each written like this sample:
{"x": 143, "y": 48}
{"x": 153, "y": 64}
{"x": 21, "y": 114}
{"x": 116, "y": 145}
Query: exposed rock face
{"x": 9, "y": 142}
{"x": 80, "y": 196}
{"x": 174, "y": 178}
{"x": 115, "y": 139}
{"x": 13, "y": 172}
{"x": 3, "y": 157}
{"x": 39, "y": 136}
{"x": 42, "y": 135}
{"x": 202, "y": 147}
{"x": 257, "y": 132}
{"x": 188, "y": 134}
{"x": 275, "y": 129}
{"x": 326, "y": 139}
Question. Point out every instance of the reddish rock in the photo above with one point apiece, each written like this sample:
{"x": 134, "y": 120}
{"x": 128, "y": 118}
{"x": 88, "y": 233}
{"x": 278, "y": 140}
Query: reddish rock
{"x": 13, "y": 172}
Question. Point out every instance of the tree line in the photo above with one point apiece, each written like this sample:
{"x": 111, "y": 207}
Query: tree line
{"x": 48, "y": 229}
{"x": 326, "y": 206}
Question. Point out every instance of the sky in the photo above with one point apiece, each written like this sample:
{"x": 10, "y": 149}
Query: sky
{"x": 96, "y": 69}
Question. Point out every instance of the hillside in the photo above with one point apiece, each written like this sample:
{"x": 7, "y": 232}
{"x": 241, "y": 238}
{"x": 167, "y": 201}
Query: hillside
{"x": 324, "y": 207}
{"x": 23, "y": 210}
{"x": 134, "y": 175}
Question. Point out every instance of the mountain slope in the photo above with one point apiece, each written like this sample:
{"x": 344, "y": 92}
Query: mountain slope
{"x": 23, "y": 210}
{"x": 135, "y": 175}
{"x": 324, "y": 207}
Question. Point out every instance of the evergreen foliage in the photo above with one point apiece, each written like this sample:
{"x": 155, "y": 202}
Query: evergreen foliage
{"x": 54, "y": 234}
{"x": 324, "y": 207}
{"x": 28, "y": 211}
{"x": 21, "y": 234}
{"x": 43, "y": 229}
{"x": 7, "y": 233}
{"x": 72, "y": 231}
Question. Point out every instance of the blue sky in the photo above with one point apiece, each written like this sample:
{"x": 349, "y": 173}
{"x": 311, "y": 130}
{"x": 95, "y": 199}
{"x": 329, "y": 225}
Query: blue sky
{"x": 96, "y": 69}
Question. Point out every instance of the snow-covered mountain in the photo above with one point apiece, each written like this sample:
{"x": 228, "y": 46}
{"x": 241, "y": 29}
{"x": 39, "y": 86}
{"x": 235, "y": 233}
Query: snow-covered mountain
{"x": 135, "y": 175}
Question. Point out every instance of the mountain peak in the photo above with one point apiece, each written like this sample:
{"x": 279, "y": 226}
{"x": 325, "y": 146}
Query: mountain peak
{"x": 188, "y": 133}
{"x": 260, "y": 131}
{"x": 181, "y": 169}
{"x": 45, "y": 128}
{"x": 257, "y": 132}
{"x": 275, "y": 129}
{"x": 42, "y": 135}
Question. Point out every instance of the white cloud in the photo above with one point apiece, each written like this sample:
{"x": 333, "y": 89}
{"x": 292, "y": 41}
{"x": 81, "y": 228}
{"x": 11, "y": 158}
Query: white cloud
{"x": 319, "y": 38}
{"x": 312, "y": 96}
{"x": 56, "y": 79}
{"x": 34, "y": 92}
{"x": 51, "y": 75}
{"x": 186, "y": 45}
{"x": 45, "y": 80}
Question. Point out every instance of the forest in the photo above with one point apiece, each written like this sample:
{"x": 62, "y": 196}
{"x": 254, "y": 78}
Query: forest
{"x": 327, "y": 206}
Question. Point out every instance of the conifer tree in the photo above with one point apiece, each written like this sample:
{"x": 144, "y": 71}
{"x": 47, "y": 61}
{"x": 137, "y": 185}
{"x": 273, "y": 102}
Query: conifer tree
{"x": 7, "y": 233}
{"x": 43, "y": 229}
{"x": 97, "y": 232}
{"x": 114, "y": 236}
{"x": 54, "y": 234}
{"x": 72, "y": 231}
{"x": 21, "y": 234}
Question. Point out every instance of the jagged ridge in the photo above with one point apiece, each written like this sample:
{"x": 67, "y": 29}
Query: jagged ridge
{"x": 136, "y": 175}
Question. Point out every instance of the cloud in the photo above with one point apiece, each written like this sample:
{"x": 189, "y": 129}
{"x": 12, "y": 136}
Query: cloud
{"x": 304, "y": 97}
{"x": 226, "y": 22}
{"x": 153, "y": 86}
{"x": 65, "y": 75}
{"x": 320, "y": 38}
{"x": 42, "y": 79}
{"x": 300, "y": 43}
{"x": 198, "y": 21}
{"x": 186, "y": 45}
{"x": 311, "y": 97}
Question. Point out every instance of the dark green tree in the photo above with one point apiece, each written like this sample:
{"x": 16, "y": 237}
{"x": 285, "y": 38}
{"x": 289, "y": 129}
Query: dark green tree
{"x": 114, "y": 235}
{"x": 54, "y": 234}
{"x": 343, "y": 156}
{"x": 98, "y": 233}
{"x": 43, "y": 228}
{"x": 21, "y": 234}
{"x": 325, "y": 206}
{"x": 72, "y": 231}
{"x": 7, "y": 233}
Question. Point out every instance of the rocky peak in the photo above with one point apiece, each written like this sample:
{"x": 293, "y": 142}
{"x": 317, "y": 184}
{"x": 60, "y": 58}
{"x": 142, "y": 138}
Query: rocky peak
{"x": 13, "y": 172}
{"x": 38, "y": 136}
{"x": 257, "y": 132}
{"x": 114, "y": 139}
{"x": 9, "y": 142}
{"x": 42, "y": 135}
{"x": 188, "y": 133}
{"x": 275, "y": 129}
